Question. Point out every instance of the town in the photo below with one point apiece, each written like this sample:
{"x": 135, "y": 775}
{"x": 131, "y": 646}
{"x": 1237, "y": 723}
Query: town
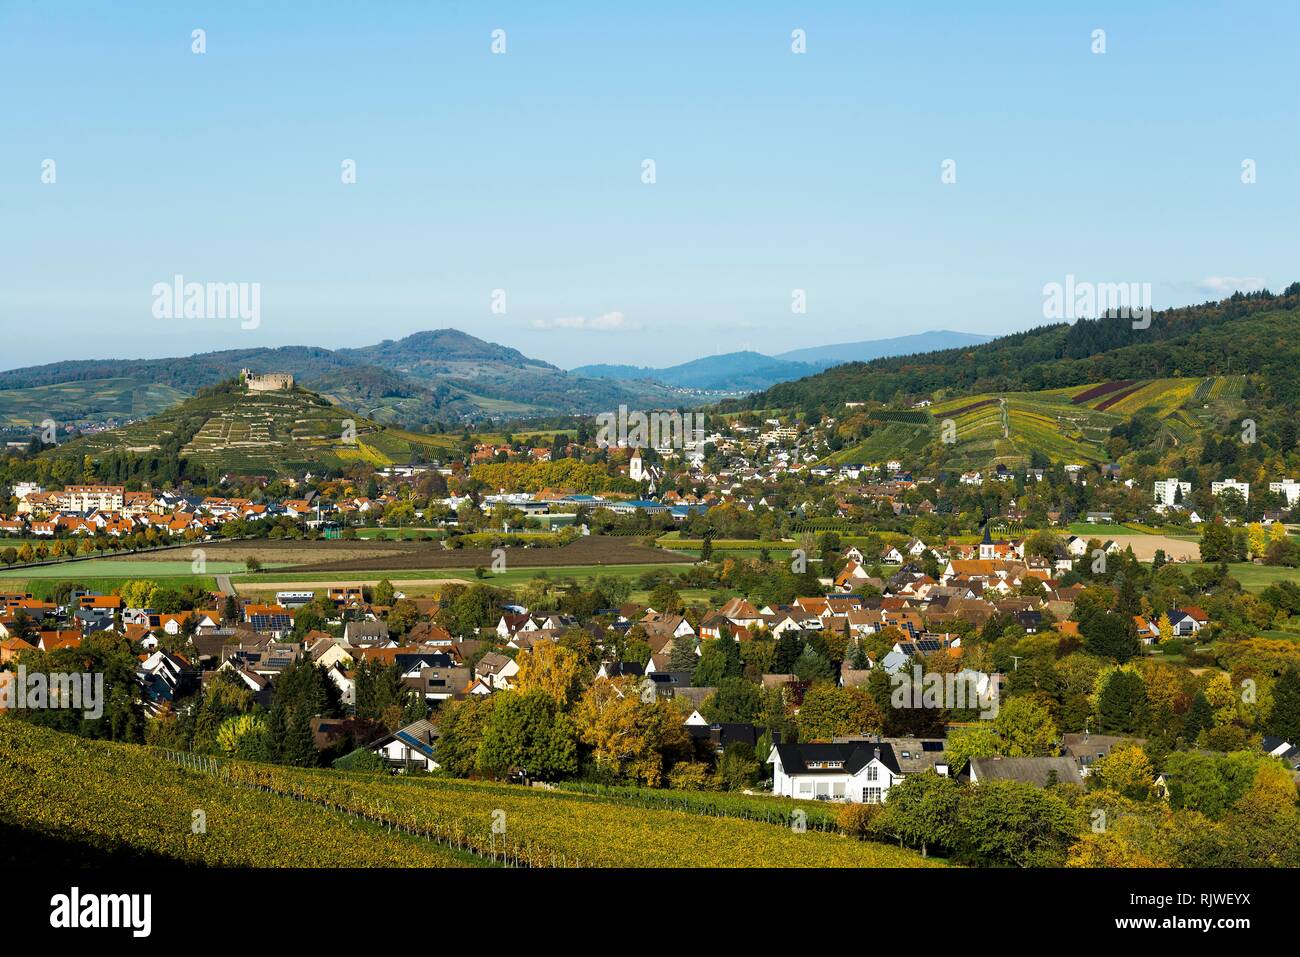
{"x": 754, "y": 622}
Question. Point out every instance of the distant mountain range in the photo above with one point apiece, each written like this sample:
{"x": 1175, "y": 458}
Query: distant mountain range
{"x": 869, "y": 349}
{"x": 442, "y": 377}
{"x": 754, "y": 371}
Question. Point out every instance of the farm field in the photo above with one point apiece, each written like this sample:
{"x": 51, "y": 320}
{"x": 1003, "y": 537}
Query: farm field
{"x": 1068, "y": 425}
{"x": 1145, "y": 547}
{"x": 727, "y": 544}
{"x": 419, "y": 582}
{"x": 44, "y": 587}
{"x": 589, "y": 550}
{"x": 93, "y": 400}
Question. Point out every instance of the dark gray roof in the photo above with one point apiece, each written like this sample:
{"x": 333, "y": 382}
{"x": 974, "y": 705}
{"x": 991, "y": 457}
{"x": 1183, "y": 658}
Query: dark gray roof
{"x": 1087, "y": 748}
{"x": 795, "y": 758}
{"x": 1035, "y": 771}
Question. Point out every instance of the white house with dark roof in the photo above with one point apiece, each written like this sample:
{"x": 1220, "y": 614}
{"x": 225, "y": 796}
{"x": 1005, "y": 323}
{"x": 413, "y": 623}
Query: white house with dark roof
{"x": 860, "y": 771}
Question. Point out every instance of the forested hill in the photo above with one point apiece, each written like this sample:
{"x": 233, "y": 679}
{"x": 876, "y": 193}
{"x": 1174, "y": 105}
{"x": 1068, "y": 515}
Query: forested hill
{"x": 1255, "y": 333}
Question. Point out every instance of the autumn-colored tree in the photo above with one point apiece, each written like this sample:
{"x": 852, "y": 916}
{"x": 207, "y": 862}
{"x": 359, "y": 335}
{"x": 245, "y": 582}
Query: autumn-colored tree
{"x": 1126, "y": 770}
{"x": 552, "y": 669}
{"x": 1257, "y": 539}
{"x": 1025, "y": 729}
{"x": 630, "y": 731}
{"x": 828, "y": 712}
{"x": 1107, "y": 849}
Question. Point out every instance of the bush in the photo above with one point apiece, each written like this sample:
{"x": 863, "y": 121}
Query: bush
{"x": 691, "y": 776}
{"x": 858, "y": 820}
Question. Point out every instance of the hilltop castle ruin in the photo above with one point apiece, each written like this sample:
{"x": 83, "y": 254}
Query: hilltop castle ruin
{"x": 266, "y": 382}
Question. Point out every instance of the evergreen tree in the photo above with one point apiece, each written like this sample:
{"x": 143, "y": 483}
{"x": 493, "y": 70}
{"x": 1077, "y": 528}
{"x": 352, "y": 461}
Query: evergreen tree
{"x": 1284, "y": 722}
{"x": 683, "y": 657}
{"x": 1121, "y": 705}
{"x": 1200, "y": 717}
{"x": 300, "y": 747}
{"x": 721, "y": 659}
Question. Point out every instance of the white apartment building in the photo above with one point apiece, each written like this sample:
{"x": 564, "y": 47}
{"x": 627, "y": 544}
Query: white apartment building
{"x": 86, "y": 498}
{"x": 1288, "y": 487}
{"x": 1167, "y": 491}
{"x": 1219, "y": 487}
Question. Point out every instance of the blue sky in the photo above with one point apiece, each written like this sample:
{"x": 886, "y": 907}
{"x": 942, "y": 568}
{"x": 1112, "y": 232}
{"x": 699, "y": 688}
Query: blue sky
{"x": 523, "y": 171}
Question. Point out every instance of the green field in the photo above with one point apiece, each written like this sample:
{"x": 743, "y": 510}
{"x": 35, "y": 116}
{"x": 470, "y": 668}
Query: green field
{"x": 44, "y": 587}
{"x": 1255, "y": 578}
{"x": 1090, "y": 530}
{"x": 117, "y": 568}
{"x": 512, "y": 578}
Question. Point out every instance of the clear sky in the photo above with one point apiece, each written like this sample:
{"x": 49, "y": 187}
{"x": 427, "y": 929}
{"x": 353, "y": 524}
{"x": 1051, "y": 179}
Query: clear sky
{"x": 775, "y": 171}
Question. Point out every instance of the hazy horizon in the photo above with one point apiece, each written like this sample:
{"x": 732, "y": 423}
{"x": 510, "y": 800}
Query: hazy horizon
{"x": 822, "y": 174}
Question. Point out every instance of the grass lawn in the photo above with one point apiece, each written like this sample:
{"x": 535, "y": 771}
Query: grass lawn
{"x": 392, "y": 534}
{"x": 1255, "y": 578}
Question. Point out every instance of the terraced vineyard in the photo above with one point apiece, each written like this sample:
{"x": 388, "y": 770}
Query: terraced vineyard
{"x": 1067, "y": 425}
{"x": 261, "y": 432}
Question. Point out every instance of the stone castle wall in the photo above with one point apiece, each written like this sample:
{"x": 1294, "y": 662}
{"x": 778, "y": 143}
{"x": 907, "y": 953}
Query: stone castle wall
{"x": 268, "y": 381}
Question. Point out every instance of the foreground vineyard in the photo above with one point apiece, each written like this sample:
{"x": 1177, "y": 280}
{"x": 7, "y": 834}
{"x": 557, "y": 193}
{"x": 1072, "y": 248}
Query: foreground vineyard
{"x": 132, "y": 801}
{"x": 126, "y": 801}
{"x": 544, "y": 829}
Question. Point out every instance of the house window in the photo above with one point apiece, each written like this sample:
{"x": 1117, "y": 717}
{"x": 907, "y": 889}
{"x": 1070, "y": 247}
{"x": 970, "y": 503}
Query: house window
{"x": 805, "y": 787}
{"x": 871, "y": 795}
{"x": 837, "y": 790}
{"x": 873, "y": 773}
